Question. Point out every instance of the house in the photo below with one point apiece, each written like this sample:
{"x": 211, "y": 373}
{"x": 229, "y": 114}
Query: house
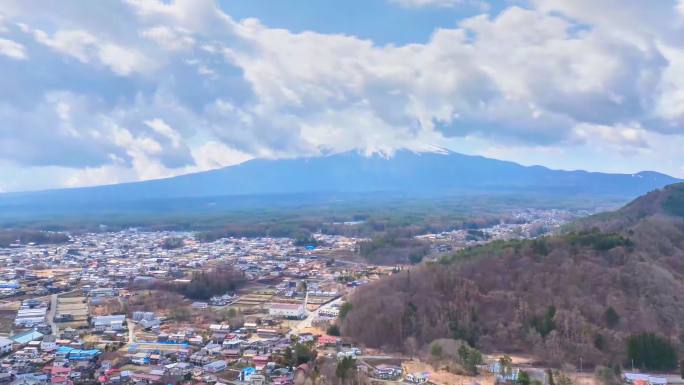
{"x": 26, "y": 337}
{"x": 287, "y": 310}
{"x": 387, "y": 372}
{"x": 5, "y": 345}
{"x": 233, "y": 354}
{"x": 149, "y": 323}
{"x": 327, "y": 341}
{"x": 103, "y": 292}
{"x": 57, "y": 371}
{"x": 257, "y": 379}
{"x": 141, "y": 315}
{"x": 29, "y": 317}
{"x": 282, "y": 380}
{"x": 108, "y": 322}
{"x": 145, "y": 378}
{"x": 512, "y": 376}
{"x": 267, "y": 332}
{"x": 417, "y": 378}
{"x": 643, "y": 379}
{"x": 141, "y": 358}
{"x": 49, "y": 343}
{"x": 249, "y": 326}
{"x": 247, "y": 373}
{"x": 215, "y": 366}
{"x": 59, "y": 380}
{"x": 76, "y": 354}
{"x": 260, "y": 362}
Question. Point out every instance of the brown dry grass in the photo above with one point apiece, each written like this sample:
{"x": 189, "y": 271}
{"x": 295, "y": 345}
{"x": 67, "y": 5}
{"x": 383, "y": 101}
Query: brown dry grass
{"x": 442, "y": 377}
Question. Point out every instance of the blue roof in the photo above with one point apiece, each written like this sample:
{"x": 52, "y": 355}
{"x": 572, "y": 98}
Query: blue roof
{"x": 248, "y": 370}
{"x": 25, "y": 338}
{"x": 77, "y": 354}
{"x": 64, "y": 350}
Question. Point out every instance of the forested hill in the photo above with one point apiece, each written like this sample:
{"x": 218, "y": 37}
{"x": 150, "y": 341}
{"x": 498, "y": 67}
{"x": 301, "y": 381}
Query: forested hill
{"x": 583, "y": 293}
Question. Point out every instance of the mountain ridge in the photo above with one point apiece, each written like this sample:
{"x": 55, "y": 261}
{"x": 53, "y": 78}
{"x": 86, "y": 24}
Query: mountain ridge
{"x": 353, "y": 172}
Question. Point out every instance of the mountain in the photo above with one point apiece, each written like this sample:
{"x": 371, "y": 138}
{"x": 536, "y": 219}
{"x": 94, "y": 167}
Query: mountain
{"x": 335, "y": 186}
{"x": 581, "y": 293}
{"x": 406, "y": 172}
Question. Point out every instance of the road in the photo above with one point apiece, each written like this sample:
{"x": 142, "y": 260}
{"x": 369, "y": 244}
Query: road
{"x": 51, "y": 315}
{"x": 53, "y": 310}
{"x": 131, "y": 332}
{"x": 306, "y": 323}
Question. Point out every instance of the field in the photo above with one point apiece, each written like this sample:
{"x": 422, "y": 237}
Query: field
{"x": 77, "y": 307}
{"x": 442, "y": 377}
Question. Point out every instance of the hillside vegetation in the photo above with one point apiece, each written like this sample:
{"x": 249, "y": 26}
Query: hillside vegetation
{"x": 603, "y": 290}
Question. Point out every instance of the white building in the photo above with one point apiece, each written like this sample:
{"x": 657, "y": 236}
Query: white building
{"x": 287, "y": 310}
{"x": 108, "y": 322}
{"x": 28, "y": 317}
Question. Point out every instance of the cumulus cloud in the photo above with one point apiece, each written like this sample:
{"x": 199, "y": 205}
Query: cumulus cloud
{"x": 12, "y": 49}
{"x": 148, "y": 88}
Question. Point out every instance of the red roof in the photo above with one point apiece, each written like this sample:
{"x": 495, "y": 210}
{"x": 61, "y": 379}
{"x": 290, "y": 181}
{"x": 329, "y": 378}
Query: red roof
{"x": 143, "y": 376}
{"x": 56, "y": 370}
{"x": 327, "y": 340}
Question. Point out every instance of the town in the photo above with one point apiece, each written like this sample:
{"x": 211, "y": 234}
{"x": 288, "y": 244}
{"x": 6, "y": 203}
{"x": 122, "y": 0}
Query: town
{"x": 140, "y": 307}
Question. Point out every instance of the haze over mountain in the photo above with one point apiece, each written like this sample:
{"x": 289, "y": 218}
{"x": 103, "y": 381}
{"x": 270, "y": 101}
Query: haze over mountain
{"x": 348, "y": 179}
{"x": 351, "y": 172}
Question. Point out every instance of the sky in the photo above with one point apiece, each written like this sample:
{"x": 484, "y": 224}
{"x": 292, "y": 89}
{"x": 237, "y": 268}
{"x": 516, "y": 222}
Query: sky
{"x": 99, "y": 92}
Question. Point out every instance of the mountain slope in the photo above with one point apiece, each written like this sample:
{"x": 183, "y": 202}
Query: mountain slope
{"x": 580, "y": 293}
{"x": 406, "y": 172}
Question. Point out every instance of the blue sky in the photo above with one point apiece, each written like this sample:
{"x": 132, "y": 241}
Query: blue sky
{"x": 378, "y": 20}
{"x": 117, "y": 91}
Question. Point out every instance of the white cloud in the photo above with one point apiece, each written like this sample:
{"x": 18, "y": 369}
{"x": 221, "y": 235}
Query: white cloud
{"x": 12, "y": 49}
{"x": 439, "y": 3}
{"x": 213, "y": 154}
{"x": 208, "y": 156}
{"x": 164, "y": 129}
{"x": 87, "y": 48}
{"x": 171, "y": 39}
{"x": 157, "y": 76}
{"x": 622, "y": 138}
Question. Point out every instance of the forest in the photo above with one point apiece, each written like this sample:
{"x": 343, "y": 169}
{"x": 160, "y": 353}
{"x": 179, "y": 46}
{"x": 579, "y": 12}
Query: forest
{"x": 8, "y": 237}
{"x": 589, "y": 292}
{"x": 393, "y": 247}
{"x": 205, "y": 284}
